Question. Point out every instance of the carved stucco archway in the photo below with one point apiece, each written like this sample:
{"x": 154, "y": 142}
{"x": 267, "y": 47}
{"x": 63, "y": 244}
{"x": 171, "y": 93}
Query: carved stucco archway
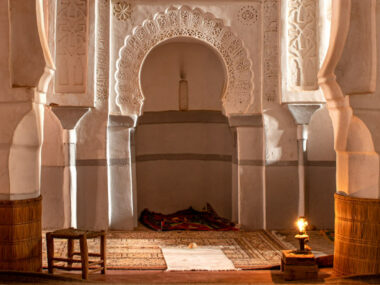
{"x": 184, "y": 22}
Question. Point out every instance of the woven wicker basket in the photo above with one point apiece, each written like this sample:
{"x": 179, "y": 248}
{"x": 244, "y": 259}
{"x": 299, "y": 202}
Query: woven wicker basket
{"x": 357, "y": 235}
{"x": 20, "y": 235}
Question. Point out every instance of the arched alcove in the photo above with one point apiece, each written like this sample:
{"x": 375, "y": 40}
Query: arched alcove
{"x": 196, "y": 63}
{"x": 234, "y": 102}
{"x": 189, "y": 23}
{"x": 183, "y": 142}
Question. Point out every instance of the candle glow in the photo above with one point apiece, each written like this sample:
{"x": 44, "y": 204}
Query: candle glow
{"x": 302, "y": 224}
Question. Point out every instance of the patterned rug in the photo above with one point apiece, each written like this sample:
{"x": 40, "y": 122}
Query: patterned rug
{"x": 141, "y": 249}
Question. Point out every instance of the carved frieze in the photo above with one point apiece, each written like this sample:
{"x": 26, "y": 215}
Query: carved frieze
{"x": 184, "y": 22}
{"x": 102, "y": 50}
{"x": 271, "y": 50}
{"x": 302, "y": 45}
{"x": 71, "y": 49}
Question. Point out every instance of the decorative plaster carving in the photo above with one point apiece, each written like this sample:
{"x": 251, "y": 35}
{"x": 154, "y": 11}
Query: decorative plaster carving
{"x": 71, "y": 50}
{"x": 122, "y": 11}
{"x": 102, "y": 52}
{"x": 302, "y": 45}
{"x": 183, "y": 22}
{"x": 247, "y": 15}
{"x": 271, "y": 50}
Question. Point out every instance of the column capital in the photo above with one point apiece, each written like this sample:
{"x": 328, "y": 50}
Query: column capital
{"x": 69, "y": 116}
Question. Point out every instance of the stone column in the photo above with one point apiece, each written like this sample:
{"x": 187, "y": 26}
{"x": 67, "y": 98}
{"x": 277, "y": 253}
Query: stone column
{"x": 302, "y": 115}
{"x": 249, "y": 171}
{"x": 123, "y": 213}
{"x": 93, "y": 195}
{"x": 69, "y": 118}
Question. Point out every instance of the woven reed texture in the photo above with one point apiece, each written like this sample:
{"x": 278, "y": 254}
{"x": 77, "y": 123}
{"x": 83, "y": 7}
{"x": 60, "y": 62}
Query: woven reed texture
{"x": 21, "y": 235}
{"x": 357, "y": 235}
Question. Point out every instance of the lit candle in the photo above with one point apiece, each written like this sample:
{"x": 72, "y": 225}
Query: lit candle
{"x": 302, "y": 224}
{"x": 302, "y": 235}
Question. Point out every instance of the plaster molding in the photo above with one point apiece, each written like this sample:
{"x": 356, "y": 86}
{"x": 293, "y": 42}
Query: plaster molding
{"x": 337, "y": 103}
{"x": 253, "y": 120}
{"x": 48, "y": 74}
{"x": 28, "y": 135}
{"x": 302, "y": 45}
{"x": 184, "y": 22}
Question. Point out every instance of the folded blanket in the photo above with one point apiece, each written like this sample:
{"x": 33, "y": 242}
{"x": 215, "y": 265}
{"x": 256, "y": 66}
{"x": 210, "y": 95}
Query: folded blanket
{"x": 188, "y": 219}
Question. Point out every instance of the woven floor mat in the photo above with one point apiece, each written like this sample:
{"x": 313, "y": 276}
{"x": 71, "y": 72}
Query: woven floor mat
{"x": 141, "y": 249}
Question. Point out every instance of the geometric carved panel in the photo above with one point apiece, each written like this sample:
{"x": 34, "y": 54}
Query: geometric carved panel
{"x": 71, "y": 49}
{"x": 302, "y": 45}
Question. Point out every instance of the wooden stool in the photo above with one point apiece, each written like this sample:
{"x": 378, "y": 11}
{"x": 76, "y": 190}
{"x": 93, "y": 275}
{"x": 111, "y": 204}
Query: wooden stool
{"x": 298, "y": 266}
{"x": 72, "y": 234}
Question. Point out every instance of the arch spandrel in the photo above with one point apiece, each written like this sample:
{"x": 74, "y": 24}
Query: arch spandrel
{"x": 184, "y": 22}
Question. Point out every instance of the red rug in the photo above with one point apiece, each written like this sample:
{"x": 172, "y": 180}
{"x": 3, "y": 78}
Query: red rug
{"x": 189, "y": 219}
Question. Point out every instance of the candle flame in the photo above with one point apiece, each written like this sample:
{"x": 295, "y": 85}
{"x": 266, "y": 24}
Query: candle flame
{"x": 302, "y": 224}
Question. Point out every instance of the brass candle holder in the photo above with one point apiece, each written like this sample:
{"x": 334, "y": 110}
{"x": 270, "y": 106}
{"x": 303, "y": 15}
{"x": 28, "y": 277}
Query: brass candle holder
{"x": 299, "y": 264}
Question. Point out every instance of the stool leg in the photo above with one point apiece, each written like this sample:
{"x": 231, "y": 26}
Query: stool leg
{"x": 84, "y": 255}
{"x": 50, "y": 251}
{"x": 70, "y": 251}
{"x": 103, "y": 252}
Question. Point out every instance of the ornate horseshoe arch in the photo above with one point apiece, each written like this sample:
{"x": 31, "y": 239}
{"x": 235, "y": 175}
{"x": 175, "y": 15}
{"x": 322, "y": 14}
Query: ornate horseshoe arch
{"x": 184, "y": 22}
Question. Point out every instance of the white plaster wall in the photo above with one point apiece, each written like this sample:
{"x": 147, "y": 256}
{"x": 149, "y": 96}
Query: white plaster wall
{"x": 16, "y": 103}
{"x": 168, "y": 186}
{"x": 174, "y": 138}
{"x": 280, "y": 134}
{"x": 52, "y": 180}
{"x": 91, "y": 165}
{"x": 320, "y": 146}
{"x": 320, "y": 170}
{"x": 203, "y": 70}
{"x": 281, "y": 180}
{"x": 367, "y": 106}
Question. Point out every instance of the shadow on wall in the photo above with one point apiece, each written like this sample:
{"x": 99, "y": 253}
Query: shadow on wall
{"x": 321, "y": 170}
{"x": 183, "y": 141}
{"x": 52, "y": 173}
{"x": 92, "y": 173}
{"x": 281, "y": 172}
{"x": 184, "y": 164}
